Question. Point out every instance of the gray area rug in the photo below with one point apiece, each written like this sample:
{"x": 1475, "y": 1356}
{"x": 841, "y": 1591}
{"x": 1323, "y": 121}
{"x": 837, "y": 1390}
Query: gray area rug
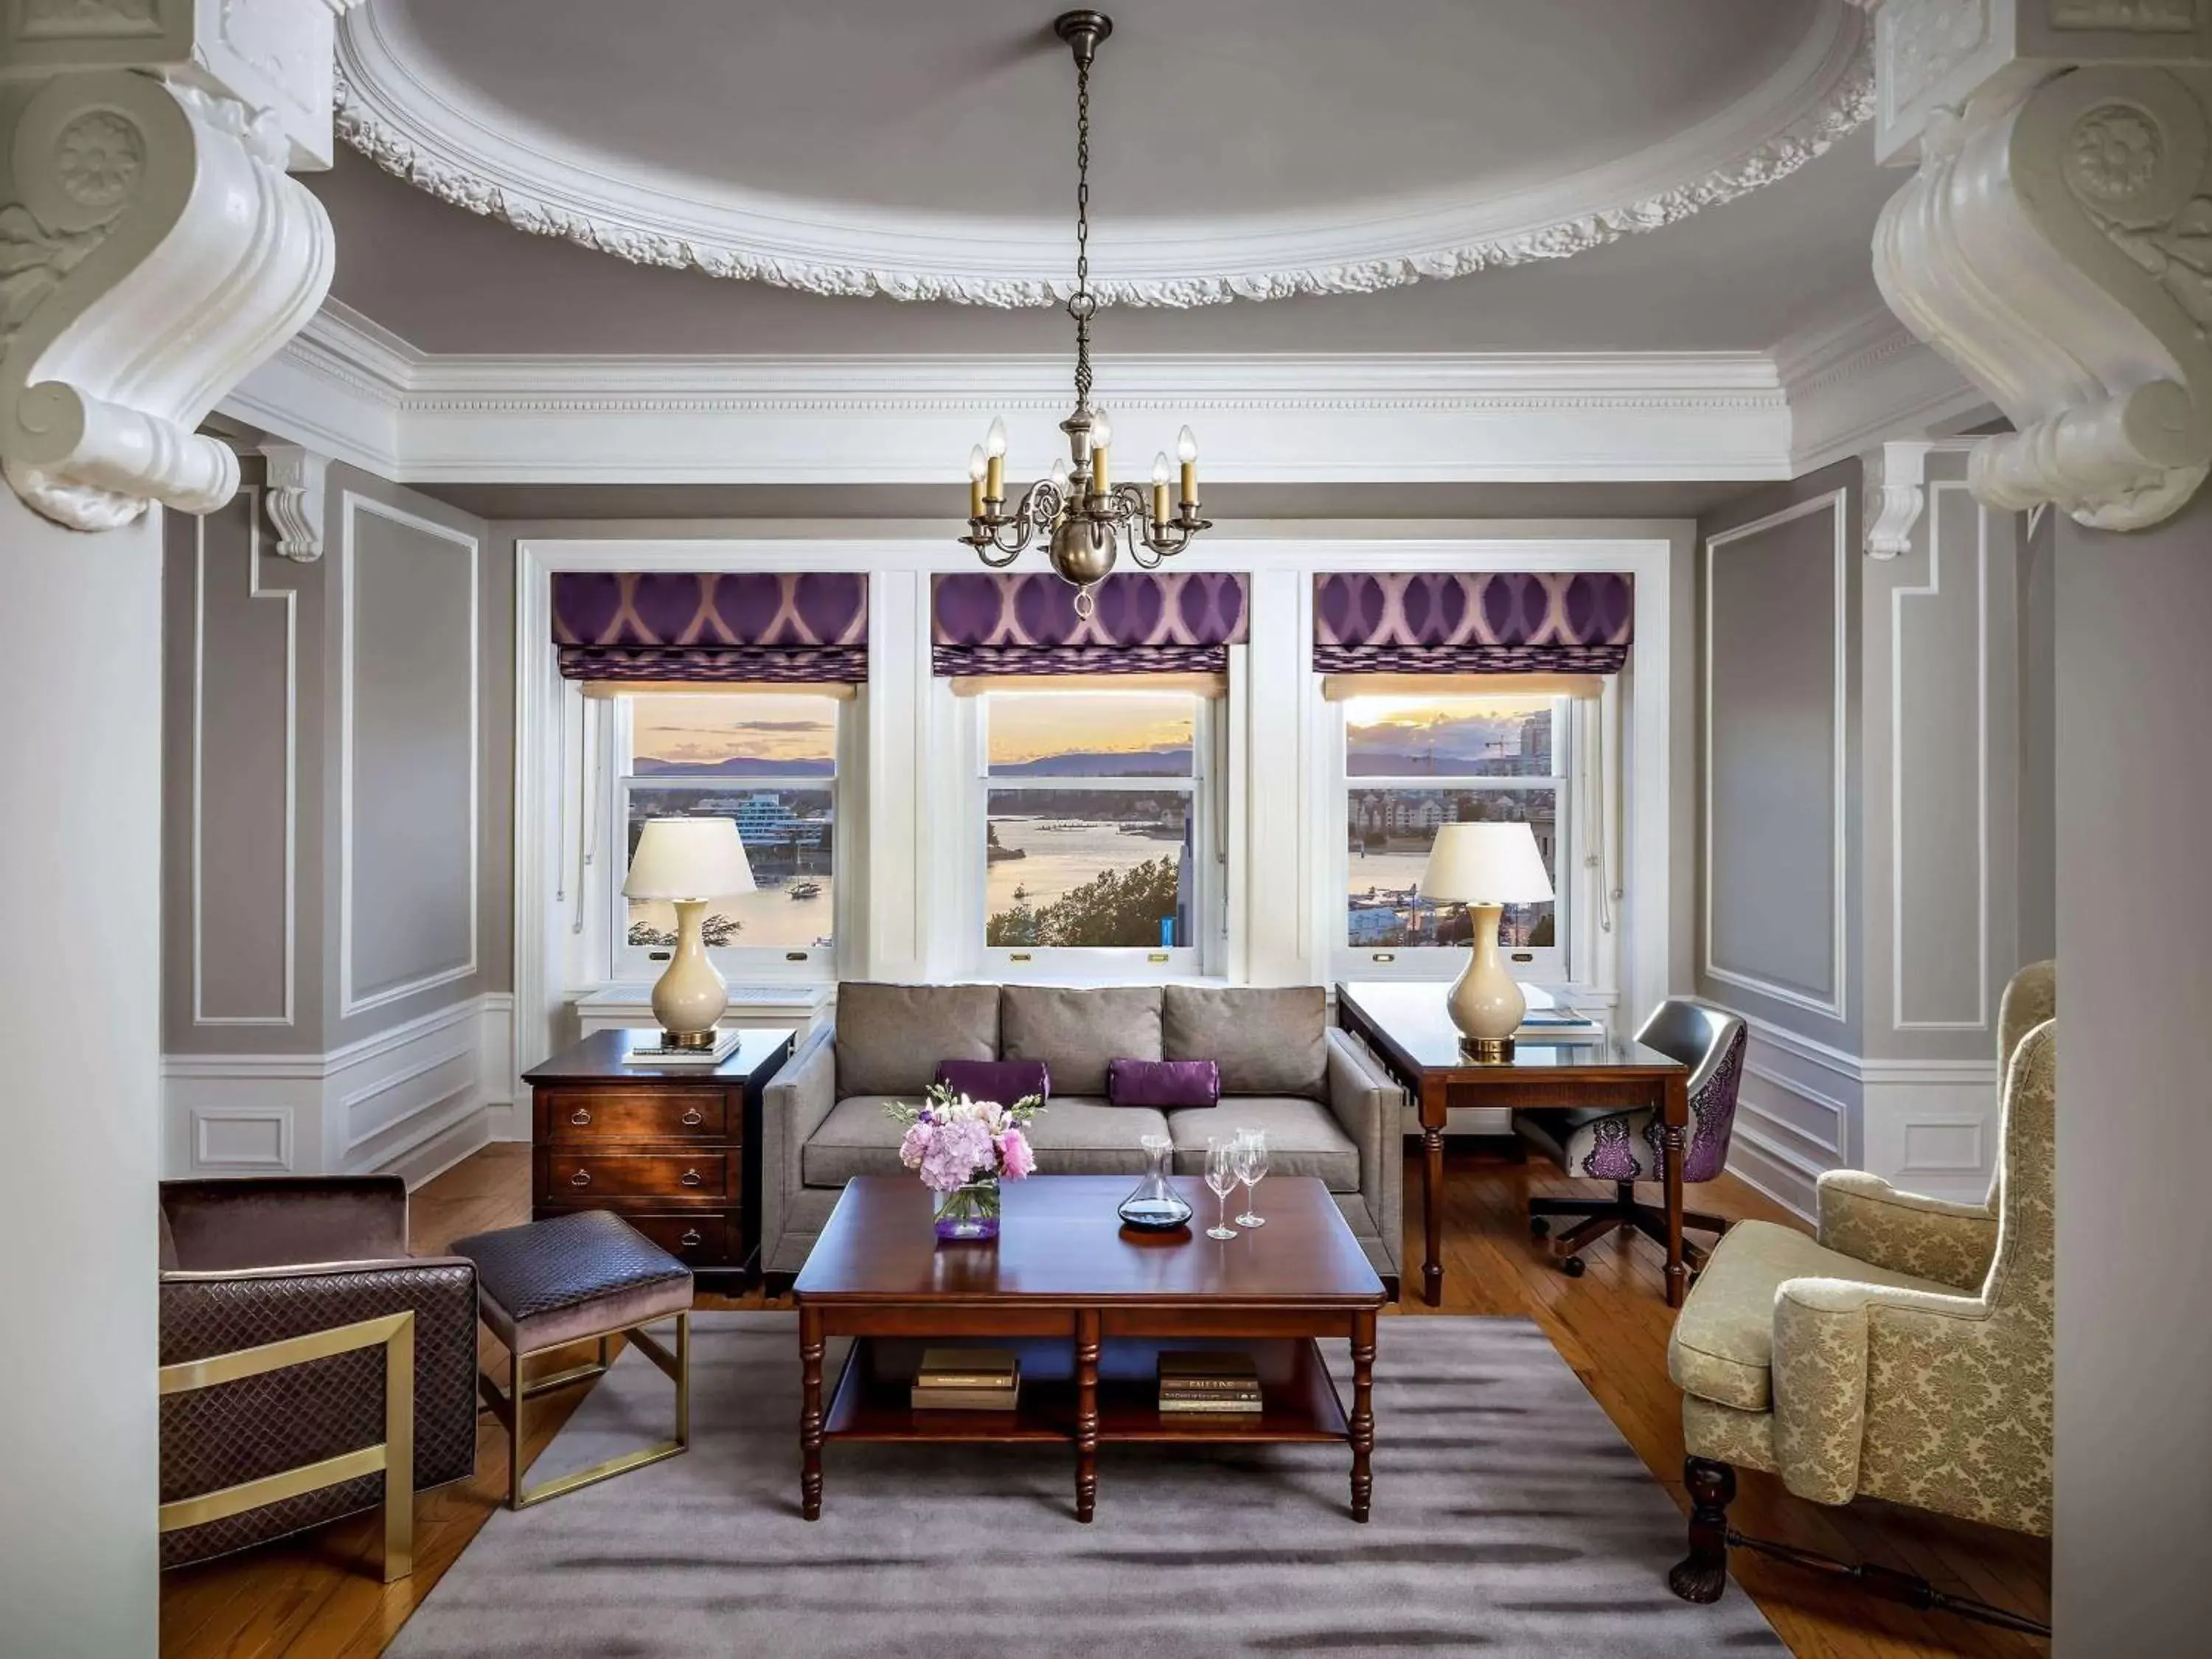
{"x": 1510, "y": 1517}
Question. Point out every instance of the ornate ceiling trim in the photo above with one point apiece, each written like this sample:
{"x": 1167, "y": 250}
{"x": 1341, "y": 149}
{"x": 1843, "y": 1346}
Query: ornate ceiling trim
{"x": 397, "y": 113}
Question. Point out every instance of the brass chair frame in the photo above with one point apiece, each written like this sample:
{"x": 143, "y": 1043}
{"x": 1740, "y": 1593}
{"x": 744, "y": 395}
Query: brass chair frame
{"x": 394, "y": 1456}
{"x": 508, "y": 1405}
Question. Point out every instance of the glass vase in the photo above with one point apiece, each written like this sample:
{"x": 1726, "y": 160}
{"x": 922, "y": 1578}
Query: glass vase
{"x": 1155, "y": 1207}
{"x": 969, "y": 1211}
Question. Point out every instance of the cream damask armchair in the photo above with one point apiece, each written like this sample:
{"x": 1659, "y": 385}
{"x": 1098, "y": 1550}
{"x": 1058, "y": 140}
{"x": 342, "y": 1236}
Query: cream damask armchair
{"x": 1904, "y": 1353}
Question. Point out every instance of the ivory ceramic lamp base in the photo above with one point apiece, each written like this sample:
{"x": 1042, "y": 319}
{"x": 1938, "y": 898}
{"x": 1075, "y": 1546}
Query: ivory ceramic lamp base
{"x": 689, "y": 862}
{"x": 1486, "y": 866}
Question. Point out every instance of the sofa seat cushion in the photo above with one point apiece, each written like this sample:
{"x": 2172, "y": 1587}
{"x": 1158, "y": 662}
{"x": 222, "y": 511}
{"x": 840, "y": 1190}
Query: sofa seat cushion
{"x": 1267, "y": 1039}
{"x": 890, "y": 1038}
{"x": 1073, "y": 1135}
{"x": 1303, "y": 1137}
{"x": 1077, "y": 1029}
{"x": 1723, "y": 1348}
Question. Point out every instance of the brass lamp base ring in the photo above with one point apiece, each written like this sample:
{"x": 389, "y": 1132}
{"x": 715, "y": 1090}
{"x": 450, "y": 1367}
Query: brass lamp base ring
{"x": 690, "y": 1039}
{"x": 1487, "y": 1051}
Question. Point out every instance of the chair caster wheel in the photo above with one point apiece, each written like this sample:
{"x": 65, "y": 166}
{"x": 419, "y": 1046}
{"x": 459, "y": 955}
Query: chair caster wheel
{"x": 1538, "y": 1228}
{"x": 1572, "y": 1266}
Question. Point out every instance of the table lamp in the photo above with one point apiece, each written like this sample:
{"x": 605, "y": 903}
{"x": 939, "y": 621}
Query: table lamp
{"x": 1486, "y": 866}
{"x": 689, "y": 862}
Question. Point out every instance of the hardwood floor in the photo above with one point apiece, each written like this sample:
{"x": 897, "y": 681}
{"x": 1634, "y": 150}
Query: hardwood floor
{"x": 320, "y": 1594}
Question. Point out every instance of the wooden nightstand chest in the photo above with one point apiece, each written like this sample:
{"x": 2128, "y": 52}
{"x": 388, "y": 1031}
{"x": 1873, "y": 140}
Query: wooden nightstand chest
{"x": 673, "y": 1150}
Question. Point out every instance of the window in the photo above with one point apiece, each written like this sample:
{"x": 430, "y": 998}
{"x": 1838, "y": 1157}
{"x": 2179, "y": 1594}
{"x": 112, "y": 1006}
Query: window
{"x": 768, "y": 760}
{"x": 1411, "y": 763}
{"x": 1094, "y": 810}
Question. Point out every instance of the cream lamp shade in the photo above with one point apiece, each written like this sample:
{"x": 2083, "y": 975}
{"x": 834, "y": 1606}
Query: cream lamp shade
{"x": 1486, "y": 864}
{"x": 688, "y": 862}
{"x": 688, "y": 858}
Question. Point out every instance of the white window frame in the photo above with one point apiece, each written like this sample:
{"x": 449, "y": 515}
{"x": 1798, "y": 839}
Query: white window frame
{"x": 1562, "y": 964}
{"x": 1106, "y": 964}
{"x": 754, "y": 964}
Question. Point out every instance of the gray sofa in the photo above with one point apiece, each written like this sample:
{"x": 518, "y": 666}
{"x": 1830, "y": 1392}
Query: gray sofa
{"x": 1328, "y": 1108}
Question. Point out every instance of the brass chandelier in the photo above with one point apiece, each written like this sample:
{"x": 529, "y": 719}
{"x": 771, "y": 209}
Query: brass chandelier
{"x": 1085, "y": 517}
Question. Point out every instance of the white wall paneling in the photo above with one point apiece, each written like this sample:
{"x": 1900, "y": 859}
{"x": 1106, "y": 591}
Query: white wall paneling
{"x": 414, "y": 1100}
{"x": 355, "y": 996}
{"x": 918, "y": 842}
{"x": 284, "y": 1009}
{"x": 1733, "y": 961}
{"x": 1796, "y": 1114}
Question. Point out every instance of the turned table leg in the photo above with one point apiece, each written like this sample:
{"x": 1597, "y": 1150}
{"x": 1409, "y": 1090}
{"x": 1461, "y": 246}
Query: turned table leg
{"x": 1363, "y": 1414}
{"x": 1673, "y": 1135}
{"x": 1086, "y": 1414}
{"x": 809, "y": 1414}
{"x": 1432, "y": 1194}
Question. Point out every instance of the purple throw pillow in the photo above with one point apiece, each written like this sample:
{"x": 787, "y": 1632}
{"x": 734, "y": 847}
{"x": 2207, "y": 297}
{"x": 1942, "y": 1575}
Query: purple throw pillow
{"x": 1005, "y": 1081}
{"x": 1164, "y": 1083}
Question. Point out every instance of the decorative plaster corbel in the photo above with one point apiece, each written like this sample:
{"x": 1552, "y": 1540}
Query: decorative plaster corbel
{"x": 156, "y": 250}
{"x": 295, "y": 499}
{"x": 2057, "y": 246}
{"x": 1897, "y": 475}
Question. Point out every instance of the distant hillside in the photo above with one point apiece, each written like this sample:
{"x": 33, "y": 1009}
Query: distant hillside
{"x": 1124, "y": 763}
{"x": 741, "y": 766}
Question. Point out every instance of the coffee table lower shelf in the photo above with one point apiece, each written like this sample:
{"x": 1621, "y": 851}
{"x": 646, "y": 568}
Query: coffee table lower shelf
{"x": 871, "y": 1401}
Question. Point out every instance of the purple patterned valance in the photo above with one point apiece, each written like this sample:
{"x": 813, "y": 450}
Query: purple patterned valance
{"x": 1145, "y": 622}
{"x": 726, "y": 625}
{"x": 1474, "y": 623}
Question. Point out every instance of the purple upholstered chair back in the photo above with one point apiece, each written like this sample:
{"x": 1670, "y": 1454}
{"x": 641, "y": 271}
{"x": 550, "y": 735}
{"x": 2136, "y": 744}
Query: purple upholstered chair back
{"x": 1711, "y": 1042}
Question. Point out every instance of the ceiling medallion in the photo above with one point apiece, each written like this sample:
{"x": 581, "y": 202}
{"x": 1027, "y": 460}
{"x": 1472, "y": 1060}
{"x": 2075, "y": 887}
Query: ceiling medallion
{"x": 1086, "y": 516}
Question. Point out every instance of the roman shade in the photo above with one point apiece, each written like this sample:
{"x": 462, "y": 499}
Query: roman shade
{"x": 1145, "y": 622}
{"x": 718, "y": 627}
{"x": 1551, "y": 623}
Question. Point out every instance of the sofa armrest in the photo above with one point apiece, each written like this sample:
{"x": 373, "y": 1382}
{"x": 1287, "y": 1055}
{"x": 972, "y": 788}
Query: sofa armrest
{"x": 1370, "y": 1108}
{"x": 285, "y": 1220}
{"x": 237, "y": 1432}
{"x": 1863, "y": 1217}
{"x": 797, "y": 1099}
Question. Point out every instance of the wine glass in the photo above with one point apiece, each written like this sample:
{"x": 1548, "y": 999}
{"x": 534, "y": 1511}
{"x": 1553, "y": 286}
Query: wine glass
{"x": 1251, "y": 1169}
{"x": 1221, "y": 1161}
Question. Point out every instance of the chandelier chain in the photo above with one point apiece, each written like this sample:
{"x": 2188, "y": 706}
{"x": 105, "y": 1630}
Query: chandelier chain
{"x": 1080, "y": 304}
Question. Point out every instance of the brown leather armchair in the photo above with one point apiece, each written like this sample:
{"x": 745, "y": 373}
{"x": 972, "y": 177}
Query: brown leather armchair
{"x": 247, "y": 1263}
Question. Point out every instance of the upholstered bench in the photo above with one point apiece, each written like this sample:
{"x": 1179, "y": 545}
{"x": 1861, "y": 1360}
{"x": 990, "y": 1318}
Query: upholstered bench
{"x": 566, "y": 1279}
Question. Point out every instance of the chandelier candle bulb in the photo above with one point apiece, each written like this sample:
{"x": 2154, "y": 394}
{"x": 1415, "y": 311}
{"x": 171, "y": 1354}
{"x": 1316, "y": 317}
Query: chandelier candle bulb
{"x": 977, "y": 466}
{"x": 1187, "y": 451}
{"x": 1160, "y": 488}
{"x": 995, "y": 443}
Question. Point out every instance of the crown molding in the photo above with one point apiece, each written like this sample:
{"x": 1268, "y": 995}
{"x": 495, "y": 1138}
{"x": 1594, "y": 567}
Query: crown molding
{"x": 403, "y": 115}
{"x": 352, "y": 390}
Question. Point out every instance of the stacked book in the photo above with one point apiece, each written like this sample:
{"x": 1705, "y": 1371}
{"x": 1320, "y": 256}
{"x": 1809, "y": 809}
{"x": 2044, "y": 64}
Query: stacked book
{"x": 967, "y": 1379}
{"x": 1201, "y": 1384}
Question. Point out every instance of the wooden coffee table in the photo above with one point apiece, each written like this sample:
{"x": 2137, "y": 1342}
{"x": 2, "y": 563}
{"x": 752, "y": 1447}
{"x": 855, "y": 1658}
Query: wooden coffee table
{"x": 1088, "y": 1305}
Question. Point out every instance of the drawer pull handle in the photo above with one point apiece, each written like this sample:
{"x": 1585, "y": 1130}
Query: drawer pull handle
{"x": 692, "y": 1177}
{"x": 695, "y": 1116}
{"x": 691, "y": 1239}
{"x": 579, "y": 1115}
{"x": 581, "y": 1178}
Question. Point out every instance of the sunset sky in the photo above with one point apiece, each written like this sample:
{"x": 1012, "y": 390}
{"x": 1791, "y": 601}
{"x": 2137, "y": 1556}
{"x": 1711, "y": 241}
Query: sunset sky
{"x": 701, "y": 731}
{"x": 1403, "y": 722}
{"x": 1094, "y": 722}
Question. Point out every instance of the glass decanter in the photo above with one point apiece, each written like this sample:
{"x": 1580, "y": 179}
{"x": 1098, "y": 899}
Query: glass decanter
{"x": 1154, "y": 1207}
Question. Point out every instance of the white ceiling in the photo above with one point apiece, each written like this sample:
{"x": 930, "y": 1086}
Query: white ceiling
{"x": 1243, "y": 148}
{"x": 1739, "y": 276}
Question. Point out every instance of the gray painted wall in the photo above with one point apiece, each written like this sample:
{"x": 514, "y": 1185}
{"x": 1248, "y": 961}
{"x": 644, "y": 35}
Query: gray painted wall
{"x": 245, "y": 631}
{"x": 1770, "y": 633}
{"x": 2134, "y": 682}
{"x": 2038, "y": 841}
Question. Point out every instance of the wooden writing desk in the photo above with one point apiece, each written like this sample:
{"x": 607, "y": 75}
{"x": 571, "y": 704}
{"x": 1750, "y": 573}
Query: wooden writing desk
{"x": 1410, "y": 1032}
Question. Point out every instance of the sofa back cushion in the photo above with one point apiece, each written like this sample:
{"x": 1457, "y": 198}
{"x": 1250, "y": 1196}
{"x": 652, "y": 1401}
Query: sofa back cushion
{"x": 890, "y": 1038}
{"x": 1077, "y": 1029}
{"x": 1266, "y": 1039}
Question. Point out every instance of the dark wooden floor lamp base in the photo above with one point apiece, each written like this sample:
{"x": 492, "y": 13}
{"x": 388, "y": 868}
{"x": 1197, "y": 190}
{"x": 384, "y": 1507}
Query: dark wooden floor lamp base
{"x": 1600, "y": 1216}
{"x": 1701, "y": 1575}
